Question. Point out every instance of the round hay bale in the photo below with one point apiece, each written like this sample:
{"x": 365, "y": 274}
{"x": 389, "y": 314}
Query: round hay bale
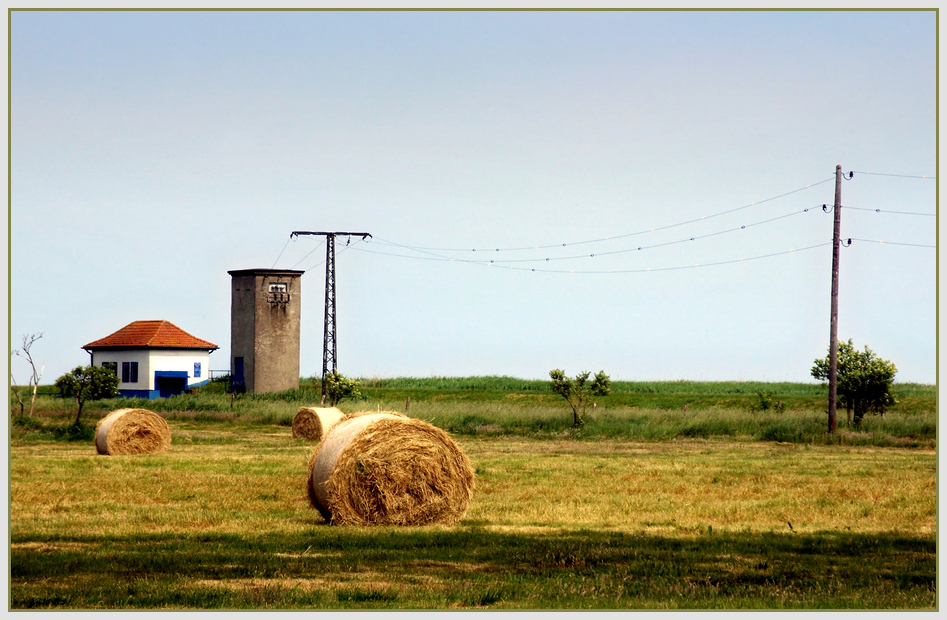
{"x": 387, "y": 469}
{"x": 313, "y": 423}
{"x": 358, "y": 414}
{"x": 132, "y": 431}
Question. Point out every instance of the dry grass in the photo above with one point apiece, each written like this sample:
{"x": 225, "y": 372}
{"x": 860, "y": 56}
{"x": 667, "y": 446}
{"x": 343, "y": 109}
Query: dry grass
{"x": 679, "y": 487}
{"x": 223, "y": 520}
{"x": 690, "y": 486}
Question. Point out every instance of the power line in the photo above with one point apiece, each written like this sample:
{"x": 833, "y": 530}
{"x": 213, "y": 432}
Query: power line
{"x": 655, "y": 245}
{"x": 890, "y": 211}
{"x": 915, "y": 245}
{"x": 285, "y": 245}
{"x": 601, "y": 271}
{"x": 622, "y": 236}
{"x": 347, "y": 247}
{"x": 903, "y": 176}
{"x": 319, "y": 245}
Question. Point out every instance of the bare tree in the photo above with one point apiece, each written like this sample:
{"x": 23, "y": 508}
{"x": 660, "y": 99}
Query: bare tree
{"x": 36, "y": 375}
{"x": 16, "y": 392}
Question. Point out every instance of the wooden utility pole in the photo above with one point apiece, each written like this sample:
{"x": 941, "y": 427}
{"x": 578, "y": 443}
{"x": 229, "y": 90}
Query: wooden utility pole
{"x": 329, "y": 356}
{"x": 833, "y": 328}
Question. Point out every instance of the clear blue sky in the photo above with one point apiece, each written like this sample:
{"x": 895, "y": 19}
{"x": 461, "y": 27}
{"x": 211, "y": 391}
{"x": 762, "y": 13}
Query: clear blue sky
{"x": 151, "y": 152}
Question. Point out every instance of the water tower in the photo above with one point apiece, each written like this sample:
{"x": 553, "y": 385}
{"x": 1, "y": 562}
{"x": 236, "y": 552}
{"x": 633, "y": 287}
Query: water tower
{"x": 264, "y": 329}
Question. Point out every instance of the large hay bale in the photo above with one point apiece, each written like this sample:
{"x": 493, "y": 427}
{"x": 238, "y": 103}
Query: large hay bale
{"x": 387, "y": 469}
{"x": 132, "y": 431}
{"x": 314, "y": 423}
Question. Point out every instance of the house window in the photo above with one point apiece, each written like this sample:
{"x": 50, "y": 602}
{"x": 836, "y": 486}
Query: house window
{"x": 129, "y": 372}
{"x": 197, "y": 369}
{"x": 113, "y": 366}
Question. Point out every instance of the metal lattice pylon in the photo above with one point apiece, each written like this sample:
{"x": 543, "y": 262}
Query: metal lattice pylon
{"x": 329, "y": 351}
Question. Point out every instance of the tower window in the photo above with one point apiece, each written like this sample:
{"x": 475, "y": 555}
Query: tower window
{"x": 278, "y": 293}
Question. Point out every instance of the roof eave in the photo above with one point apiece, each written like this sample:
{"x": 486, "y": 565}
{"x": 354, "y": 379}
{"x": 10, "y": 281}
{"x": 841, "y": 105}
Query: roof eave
{"x": 126, "y": 347}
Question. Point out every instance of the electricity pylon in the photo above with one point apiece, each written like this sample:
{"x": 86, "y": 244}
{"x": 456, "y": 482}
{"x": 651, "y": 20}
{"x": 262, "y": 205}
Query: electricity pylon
{"x": 329, "y": 348}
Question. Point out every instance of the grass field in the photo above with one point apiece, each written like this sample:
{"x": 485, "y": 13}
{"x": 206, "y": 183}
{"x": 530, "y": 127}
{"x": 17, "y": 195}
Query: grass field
{"x": 627, "y": 513}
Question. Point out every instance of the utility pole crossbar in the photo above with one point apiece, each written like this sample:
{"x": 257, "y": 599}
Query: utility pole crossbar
{"x": 329, "y": 348}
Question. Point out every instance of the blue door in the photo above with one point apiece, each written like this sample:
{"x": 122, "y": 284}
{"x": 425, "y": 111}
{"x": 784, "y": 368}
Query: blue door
{"x": 170, "y": 382}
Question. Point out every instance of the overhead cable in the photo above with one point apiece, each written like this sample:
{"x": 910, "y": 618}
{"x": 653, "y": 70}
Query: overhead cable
{"x": 622, "y": 236}
{"x": 646, "y": 247}
{"x": 347, "y": 247}
{"x": 281, "y": 253}
{"x": 903, "y": 176}
{"x": 890, "y": 211}
{"x": 319, "y": 245}
{"x": 601, "y": 271}
{"x": 915, "y": 245}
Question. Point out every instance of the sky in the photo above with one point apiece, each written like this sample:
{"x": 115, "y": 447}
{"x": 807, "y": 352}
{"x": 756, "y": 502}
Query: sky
{"x": 152, "y": 152}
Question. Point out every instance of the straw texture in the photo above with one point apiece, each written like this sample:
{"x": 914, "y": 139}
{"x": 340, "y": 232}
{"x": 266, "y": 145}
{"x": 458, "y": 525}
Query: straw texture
{"x": 314, "y": 423}
{"x": 132, "y": 431}
{"x": 384, "y": 468}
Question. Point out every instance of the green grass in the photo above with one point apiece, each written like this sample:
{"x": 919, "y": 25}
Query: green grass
{"x": 506, "y": 406}
{"x": 673, "y": 495}
{"x": 468, "y": 567}
{"x": 222, "y": 522}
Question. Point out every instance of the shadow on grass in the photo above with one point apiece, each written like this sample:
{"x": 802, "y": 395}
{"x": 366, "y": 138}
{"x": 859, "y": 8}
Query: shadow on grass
{"x": 468, "y": 566}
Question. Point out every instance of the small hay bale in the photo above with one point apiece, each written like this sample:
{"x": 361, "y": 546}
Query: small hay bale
{"x": 384, "y": 468}
{"x": 132, "y": 431}
{"x": 314, "y": 423}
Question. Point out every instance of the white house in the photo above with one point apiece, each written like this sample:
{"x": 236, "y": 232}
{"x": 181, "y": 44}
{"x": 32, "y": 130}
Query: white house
{"x": 153, "y": 359}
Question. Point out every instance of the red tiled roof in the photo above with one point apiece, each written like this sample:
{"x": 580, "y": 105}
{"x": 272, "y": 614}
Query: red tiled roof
{"x": 150, "y": 334}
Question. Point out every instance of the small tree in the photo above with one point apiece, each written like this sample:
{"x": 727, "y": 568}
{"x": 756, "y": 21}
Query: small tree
{"x": 863, "y": 380}
{"x": 339, "y": 387}
{"x": 86, "y": 383}
{"x": 35, "y": 376}
{"x": 577, "y": 391}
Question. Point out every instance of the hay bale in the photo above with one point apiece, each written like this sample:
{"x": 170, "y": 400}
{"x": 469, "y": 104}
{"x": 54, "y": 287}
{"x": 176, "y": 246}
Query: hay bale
{"x": 132, "y": 431}
{"x": 387, "y": 469}
{"x": 314, "y": 423}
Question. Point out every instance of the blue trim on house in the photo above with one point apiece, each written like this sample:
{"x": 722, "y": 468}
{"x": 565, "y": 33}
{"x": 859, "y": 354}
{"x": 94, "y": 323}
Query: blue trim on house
{"x": 171, "y": 373}
{"x": 149, "y": 394}
{"x": 153, "y": 394}
{"x": 166, "y": 389}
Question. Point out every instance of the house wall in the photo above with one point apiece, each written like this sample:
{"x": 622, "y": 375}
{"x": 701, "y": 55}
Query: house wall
{"x": 183, "y": 360}
{"x": 151, "y": 361}
{"x": 134, "y": 355}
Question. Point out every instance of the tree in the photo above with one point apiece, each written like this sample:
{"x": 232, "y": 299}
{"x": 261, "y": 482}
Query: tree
{"x": 863, "y": 380}
{"x": 85, "y": 383}
{"x": 339, "y": 387}
{"x": 577, "y": 391}
{"x": 35, "y": 376}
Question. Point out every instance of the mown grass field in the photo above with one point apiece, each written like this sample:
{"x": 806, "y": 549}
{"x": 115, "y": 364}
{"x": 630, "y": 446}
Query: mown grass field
{"x": 643, "y": 508}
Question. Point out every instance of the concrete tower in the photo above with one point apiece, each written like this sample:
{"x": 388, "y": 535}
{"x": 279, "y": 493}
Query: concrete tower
{"x": 264, "y": 329}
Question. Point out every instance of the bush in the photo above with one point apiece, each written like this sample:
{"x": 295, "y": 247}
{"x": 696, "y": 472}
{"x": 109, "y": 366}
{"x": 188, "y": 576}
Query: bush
{"x": 339, "y": 387}
{"x": 768, "y": 401}
{"x": 76, "y": 431}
